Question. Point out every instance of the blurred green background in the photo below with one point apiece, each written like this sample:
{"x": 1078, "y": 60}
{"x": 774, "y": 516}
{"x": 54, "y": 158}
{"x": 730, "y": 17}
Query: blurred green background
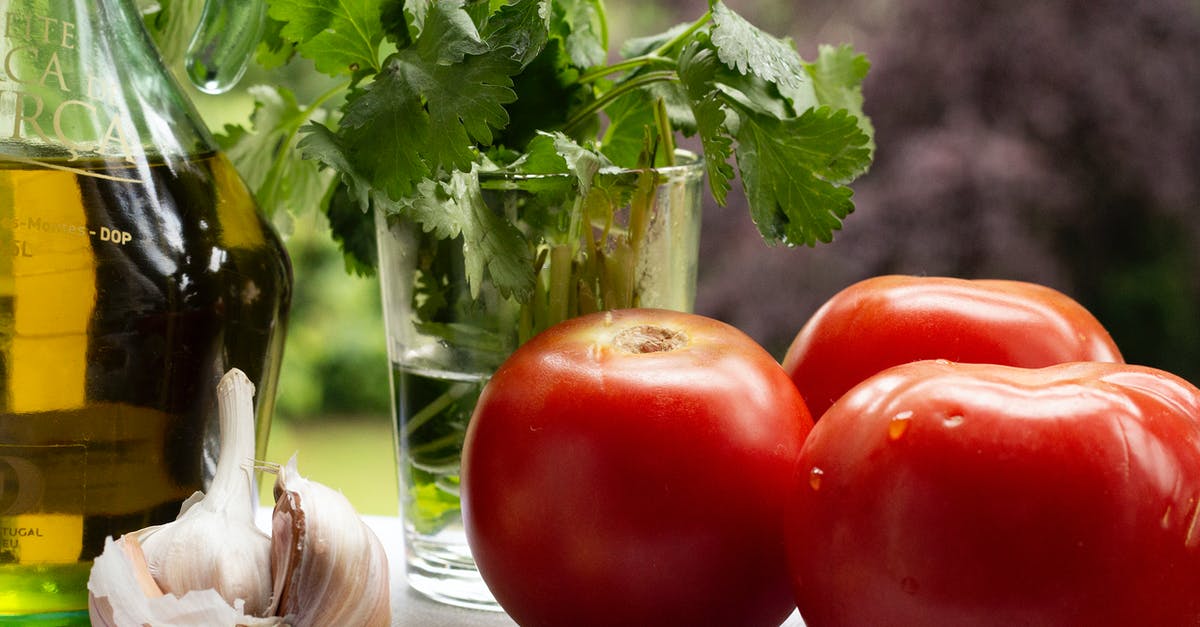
{"x": 1055, "y": 141}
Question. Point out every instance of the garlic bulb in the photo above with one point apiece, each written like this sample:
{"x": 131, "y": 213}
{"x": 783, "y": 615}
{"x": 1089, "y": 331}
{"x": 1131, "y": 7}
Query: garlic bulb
{"x": 213, "y": 566}
{"x": 329, "y": 567}
{"x": 214, "y": 542}
{"x": 123, "y": 594}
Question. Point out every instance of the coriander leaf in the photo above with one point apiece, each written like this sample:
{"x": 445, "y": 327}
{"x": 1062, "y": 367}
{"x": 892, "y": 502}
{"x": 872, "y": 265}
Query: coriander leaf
{"x": 341, "y": 37}
{"x": 415, "y": 12}
{"x": 717, "y": 144}
{"x": 273, "y": 50}
{"x": 583, "y": 27}
{"x": 464, "y": 103}
{"x": 282, "y": 181}
{"x": 837, "y": 75}
{"x": 541, "y": 157}
{"x": 448, "y": 35}
{"x": 492, "y": 246}
{"x": 546, "y": 91}
{"x": 792, "y": 168}
{"x": 382, "y": 128}
{"x": 523, "y": 27}
{"x": 396, "y": 22}
{"x": 628, "y": 117}
{"x": 638, "y": 46}
{"x": 353, "y": 230}
{"x": 322, "y": 145}
{"x": 421, "y": 118}
{"x": 701, "y": 72}
{"x": 744, "y": 47}
{"x": 581, "y": 162}
{"x": 478, "y": 10}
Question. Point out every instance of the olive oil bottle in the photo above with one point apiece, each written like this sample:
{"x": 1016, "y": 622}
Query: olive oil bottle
{"x": 135, "y": 269}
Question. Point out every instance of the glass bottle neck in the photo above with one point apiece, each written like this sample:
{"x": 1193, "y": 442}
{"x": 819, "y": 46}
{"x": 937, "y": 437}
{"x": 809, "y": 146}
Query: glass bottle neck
{"x": 81, "y": 79}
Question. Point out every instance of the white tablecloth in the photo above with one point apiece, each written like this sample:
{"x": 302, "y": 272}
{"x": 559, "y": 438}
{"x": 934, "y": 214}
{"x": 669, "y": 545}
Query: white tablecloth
{"x": 411, "y": 609}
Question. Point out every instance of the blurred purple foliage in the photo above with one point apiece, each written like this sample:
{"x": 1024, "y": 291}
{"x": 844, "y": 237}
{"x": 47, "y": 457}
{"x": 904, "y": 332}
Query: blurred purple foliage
{"x": 1055, "y": 141}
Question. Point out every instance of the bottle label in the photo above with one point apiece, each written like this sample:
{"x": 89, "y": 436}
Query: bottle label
{"x": 36, "y": 529}
{"x": 51, "y": 94}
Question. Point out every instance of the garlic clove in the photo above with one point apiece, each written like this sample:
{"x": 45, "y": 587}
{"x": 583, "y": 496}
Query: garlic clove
{"x": 141, "y": 571}
{"x": 121, "y": 593}
{"x": 214, "y": 543}
{"x": 329, "y": 567}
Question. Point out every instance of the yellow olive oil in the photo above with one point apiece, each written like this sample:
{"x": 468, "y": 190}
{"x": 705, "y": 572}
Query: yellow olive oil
{"x": 126, "y": 291}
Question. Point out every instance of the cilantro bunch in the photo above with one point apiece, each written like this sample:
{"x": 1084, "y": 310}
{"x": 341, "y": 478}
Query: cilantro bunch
{"x": 435, "y": 91}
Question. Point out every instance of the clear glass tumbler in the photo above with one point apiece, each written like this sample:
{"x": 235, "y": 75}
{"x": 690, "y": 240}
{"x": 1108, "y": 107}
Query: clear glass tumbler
{"x": 444, "y": 341}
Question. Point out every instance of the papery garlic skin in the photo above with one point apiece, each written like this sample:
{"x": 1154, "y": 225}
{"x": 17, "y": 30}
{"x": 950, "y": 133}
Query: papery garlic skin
{"x": 121, "y": 593}
{"x": 329, "y": 567}
{"x": 214, "y": 543}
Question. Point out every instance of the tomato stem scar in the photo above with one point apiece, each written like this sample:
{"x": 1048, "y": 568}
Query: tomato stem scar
{"x": 647, "y": 338}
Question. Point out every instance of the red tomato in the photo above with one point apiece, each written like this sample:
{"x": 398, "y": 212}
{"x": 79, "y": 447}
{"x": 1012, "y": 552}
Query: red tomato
{"x": 629, "y": 468}
{"x": 939, "y": 494}
{"x": 891, "y": 320}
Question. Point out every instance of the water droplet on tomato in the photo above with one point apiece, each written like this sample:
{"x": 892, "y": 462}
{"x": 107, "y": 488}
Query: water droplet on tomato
{"x": 899, "y": 424}
{"x": 814, "y": 478}
{"x": 909, "y": 585}
{"x": 953, "y": 421}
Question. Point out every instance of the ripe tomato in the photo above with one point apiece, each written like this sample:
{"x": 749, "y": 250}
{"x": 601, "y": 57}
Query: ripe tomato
{"x": 941, "y": 494}
{"x": 629, "y": 468}
{"x": 889, "y": 320}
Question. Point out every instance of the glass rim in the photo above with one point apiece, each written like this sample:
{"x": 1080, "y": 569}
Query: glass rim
{"x": 692, "y": 166}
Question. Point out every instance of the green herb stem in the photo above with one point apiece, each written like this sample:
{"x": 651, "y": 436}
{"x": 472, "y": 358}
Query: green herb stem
{"x": 596, "y": 105}
{"x": 433, "y": 445}
{"x": 666, "y": 134}
{"x": 684, "y": 36}
{"x": 631, "y": 63}
{"x": 559, "y": 294}
{"x": 436, "y": 406}
{"x": 660, "y": 56}
{"x": 282, "y": 154}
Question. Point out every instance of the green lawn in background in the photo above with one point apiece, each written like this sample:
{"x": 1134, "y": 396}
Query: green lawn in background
{"x": 353, "y": 455}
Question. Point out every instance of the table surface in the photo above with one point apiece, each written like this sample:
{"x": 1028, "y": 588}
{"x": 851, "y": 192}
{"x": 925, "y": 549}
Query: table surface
{"x": 412, "y": 609}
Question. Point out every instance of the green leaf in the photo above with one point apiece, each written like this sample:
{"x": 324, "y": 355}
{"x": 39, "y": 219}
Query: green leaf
{"x": 282, "y": 181}
{"x": 422, "y": 116}
{"x": 273, "y": 50}
{"x": 581, "y": 162}
{"x": 341, "y": 37}
{"x": 628, "y": 117}
{"x": 583, "y": 27}
{"x": 837, "y": 75}
{"x": 449, "y": 34}
{"x": 354, "y": 231}
{"x": 523, "y": 27}
{"x": 383, "y": 127}
{"x": 546, "y": 91}
{"x": 464, "y": 103}
{"x": 749, "y": 50}
{"x": 541, "y": 156}
{"x": 717, "y": 144}
{"x": 701, "y": 72}
{"x": 492, "y": 246}
{"x": 638, "y": 46}
{"x": 793, "y": 170}
{"x": 397, "y": 20}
